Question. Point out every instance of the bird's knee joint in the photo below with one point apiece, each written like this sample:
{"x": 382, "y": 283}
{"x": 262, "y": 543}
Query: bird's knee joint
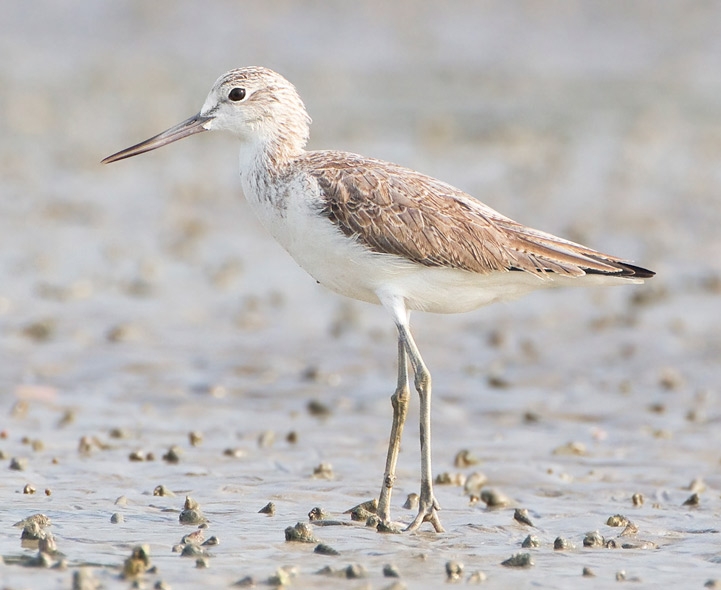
{"x": 423, "y": 382}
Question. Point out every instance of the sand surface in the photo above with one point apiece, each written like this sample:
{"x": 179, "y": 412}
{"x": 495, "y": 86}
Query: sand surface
{"x": 140, "y": 302}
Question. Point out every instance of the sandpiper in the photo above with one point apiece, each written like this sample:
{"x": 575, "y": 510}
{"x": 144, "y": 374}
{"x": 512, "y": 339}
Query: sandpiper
{"x": 382, "y": 233}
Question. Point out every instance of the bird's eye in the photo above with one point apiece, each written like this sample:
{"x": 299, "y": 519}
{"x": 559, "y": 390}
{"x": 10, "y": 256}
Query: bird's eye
{"x": 236, "y": 94}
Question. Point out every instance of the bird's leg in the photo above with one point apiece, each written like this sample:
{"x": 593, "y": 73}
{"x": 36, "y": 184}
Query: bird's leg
{"x": 399, "y": 400}
{"x": 428, "y": 505}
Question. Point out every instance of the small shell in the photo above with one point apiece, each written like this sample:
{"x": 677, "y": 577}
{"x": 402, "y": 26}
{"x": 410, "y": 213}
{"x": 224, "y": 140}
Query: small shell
{"x": 268, "y": 509}
{"x": 531, "y": 541}
{"x": 521, "y": 515}
{"x": 593, "y": 539}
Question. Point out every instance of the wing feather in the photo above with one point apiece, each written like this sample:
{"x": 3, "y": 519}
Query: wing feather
{"x": 395, "y": 210}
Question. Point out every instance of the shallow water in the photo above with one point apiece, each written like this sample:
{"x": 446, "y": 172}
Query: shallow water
{"x": 144, "y": 297}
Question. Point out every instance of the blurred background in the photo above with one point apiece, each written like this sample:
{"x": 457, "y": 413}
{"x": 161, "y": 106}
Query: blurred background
{"x": 597, "y": 121}
{"x": 149, "y": 283}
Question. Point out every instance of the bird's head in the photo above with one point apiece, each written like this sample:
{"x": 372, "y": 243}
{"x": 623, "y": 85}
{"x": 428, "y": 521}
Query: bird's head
{"x": 256, "y": 104}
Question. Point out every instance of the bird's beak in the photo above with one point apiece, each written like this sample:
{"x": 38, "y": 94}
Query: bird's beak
{"x": 196, "y": 124}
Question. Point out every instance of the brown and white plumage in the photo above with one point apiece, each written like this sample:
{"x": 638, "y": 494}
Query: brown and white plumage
{"x": 381, "y": 233}
{"x": 394, "y": 210}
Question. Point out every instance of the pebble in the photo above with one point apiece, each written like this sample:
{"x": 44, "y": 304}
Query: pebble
{"x": 562, "y": 544}
{"x": 18, "y": 463}
{"x": 454, "y": 570}
{"x": 464, "y": 459}
{"x": 593, "y": 539}
{"x": 588, "y": 573}
{"x": 521, "y": 515}
{"x": 28, "y": 489}
{"x": 324, "y": 549}
{"x": 119, "y": 433}
{"x": 173, "y": 454}
{"x": 301, "y": 533}
{"x": 202, "y": 563}
{"x": 390, "y": 571}
{"x": 477, "y": 577}
{"x": 693, "y": 500}
{"x": 317, "y": 408}
{"x": 212, "y": 542}
{"x": 494, "y": 499}
{"x": 362, "y": 512}
{"x": 317, "y": 513}
{"x": 195, "y": 438}
{"x": 637, "y": 499}
{"x": 474, "y": 483}
{"x": 280, "y": 578}
{"x": 385, "y": 527}
{"x": 323, "y": 471}
{"x": 531, "y": 541}
{"x": 617, "y": 520}
{"x": 117, "y": 518}
{"x": 519, "y": 560}
{"x": 246, "y": 582}
{"x": 83, "y": 579}
{"x": 412, "y": 501}
{"x": 268, "y": 509}
{"x": 448, "y": 479}
{"x": 191, "y": 513}
{"x": 236, "y": 453}
{"x": 161, "y": 490}
{"x": 192, "y": 550}
{"x": 136, "y": 456}
{"x": 355, "y": 571}
{"x": 138, "y": 562}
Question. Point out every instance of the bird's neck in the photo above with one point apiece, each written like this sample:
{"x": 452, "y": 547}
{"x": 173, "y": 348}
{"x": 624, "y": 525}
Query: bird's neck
{"x": 263, "y": 166}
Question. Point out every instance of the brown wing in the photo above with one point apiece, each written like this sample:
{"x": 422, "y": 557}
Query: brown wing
{"x": 395, "y": 210}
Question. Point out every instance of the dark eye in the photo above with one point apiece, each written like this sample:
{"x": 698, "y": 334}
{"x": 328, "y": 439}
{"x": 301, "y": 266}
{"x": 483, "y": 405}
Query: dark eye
{"x": 236, "y": 94}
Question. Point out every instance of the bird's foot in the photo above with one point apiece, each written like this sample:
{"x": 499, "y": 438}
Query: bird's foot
{"x": 427, "y": 512}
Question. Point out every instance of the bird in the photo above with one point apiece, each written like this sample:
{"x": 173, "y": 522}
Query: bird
{"x": 382, "y": 233}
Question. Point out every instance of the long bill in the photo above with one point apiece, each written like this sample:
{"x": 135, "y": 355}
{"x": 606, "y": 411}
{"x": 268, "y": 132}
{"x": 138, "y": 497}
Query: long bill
{"x": 191, "y": 126}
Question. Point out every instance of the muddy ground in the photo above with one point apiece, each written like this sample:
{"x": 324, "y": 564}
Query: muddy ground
{"x": 140, "y": 302}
